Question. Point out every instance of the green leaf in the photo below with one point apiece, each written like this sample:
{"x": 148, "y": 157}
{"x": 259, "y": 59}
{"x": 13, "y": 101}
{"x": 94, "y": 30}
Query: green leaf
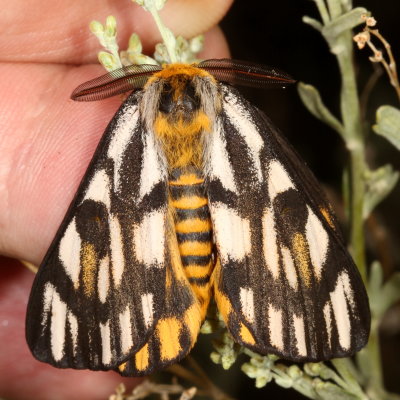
{"x": 108, "y": 61}
{"x": 313, "y": 102}
{"x": 96, "y": 27}
{"x": 313, "y": 22}
{"x": 328, "y": 390}
{"x": 379, "y": 183}
{"x": 343, "y": 23}
{"x": 226, "y": 350}
{"x": 375, "y": 280}
{"x": 382, "y": 297}
{"x": 390, "y": 294}
{"x": 388, "y": 124}
{"x": 196, "y": 44}
{"x": 135, "y": 45}
{"x": 111, "y": 27}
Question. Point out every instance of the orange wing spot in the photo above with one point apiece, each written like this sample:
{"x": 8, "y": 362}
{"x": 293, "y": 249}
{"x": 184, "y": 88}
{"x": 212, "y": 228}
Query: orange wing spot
{"x": 327, "y": 215}
{"x": 176, "y": 261}
{"x": 168, "y": 331}
{"x": 188, "y": 202}
{"x": 301, "y": 253}
{"x": 122, "y": 367}
{"x": 142, "y": 358}
{"x": 193, "y": 321}
{"x": 89, "y": 268}
{"x": 195, "y": 248}
{"x": 193, "y": 225}
{"x": 246, "y": 335}
{"x": 223, "y": 303}
{"x": 203, "y": 294}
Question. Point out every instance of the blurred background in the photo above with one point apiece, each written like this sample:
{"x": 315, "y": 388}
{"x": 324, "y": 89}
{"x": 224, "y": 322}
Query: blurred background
{"x": 272, "y": 33}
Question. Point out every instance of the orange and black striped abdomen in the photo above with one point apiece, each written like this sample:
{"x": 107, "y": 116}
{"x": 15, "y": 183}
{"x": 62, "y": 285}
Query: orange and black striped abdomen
{"x": 194, "y": 231}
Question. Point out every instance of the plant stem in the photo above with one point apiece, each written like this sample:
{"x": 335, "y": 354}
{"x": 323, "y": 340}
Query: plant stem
{"x": 350, "y": 110}
{"x": 167, "y": 38}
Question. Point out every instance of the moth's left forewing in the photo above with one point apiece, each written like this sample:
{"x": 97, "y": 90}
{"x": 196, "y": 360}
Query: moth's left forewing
{"x": 176, "y": 331}
{"x": 87, "y": 308}
{"x": 284, "y": 281}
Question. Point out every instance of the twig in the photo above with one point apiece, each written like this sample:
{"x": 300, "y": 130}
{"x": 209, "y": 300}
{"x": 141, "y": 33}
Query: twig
{"x": 364, "y": 38}
{"x": 33, "y": 268}
{"x": 366, "y": 92}
{"x": 200, "y": 379}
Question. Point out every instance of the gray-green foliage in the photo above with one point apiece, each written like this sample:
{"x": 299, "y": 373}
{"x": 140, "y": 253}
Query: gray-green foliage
{"x": 172, "y": 49}
{"x": 388, "y": 124}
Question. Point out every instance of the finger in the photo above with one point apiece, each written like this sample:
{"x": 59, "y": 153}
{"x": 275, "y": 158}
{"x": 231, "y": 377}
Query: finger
{"x": 22, "y": 377}
{"x": 215, "y": 45}
{"x": 47, "y": 143}
{"x": 58, "y": 31}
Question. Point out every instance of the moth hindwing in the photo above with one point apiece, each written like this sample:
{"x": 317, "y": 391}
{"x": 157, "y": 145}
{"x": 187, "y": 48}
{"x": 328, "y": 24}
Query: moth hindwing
{"x": 192, "y": 193}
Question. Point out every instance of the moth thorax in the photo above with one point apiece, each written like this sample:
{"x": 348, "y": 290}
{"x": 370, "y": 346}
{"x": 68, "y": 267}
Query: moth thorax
{"x": 181, "y": 123}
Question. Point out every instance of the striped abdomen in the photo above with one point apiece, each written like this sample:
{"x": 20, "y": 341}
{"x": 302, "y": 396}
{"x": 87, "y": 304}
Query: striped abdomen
{"x": 194, "y": 231}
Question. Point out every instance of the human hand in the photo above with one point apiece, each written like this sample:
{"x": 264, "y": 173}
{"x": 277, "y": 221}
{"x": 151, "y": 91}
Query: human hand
{"x": 46, "y": 143}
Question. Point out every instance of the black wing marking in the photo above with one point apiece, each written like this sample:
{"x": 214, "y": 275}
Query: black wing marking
{"x": 284, "y": 281}
{"x": 101, "y": 287}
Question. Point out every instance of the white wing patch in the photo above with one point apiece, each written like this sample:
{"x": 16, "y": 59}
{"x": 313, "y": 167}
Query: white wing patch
{"x": 219, "y": 166}
{"x": 103, "y": 280}
{"x": 153, "y": 171}
{"x": 70, "y": 252}
{"x": 122, "y": 135}
{"x": 288, "y": 265}
{"x": 348, "y": 290}
{"x": 278, "y": 180}
{"x": 147, "y": 308}
{"x": 149, "y": 239}
{"x": 318, "y": 242}
{"x": 299, "y": 332}
{"x": 57, "y": 309}
{"x": 247, "y": 303}
{"x": 270, "y": 245}
{"x": 99, "y": 188}
{"x": 233, "y": 233}
{"x": 242, "y": 120}
{"x": 105, "y": 342}
{"x": 117, "y": 252}
{"x": 341, "y": 311}
{"x": 73, "y": 323}
{"x": 328, "y": 321}
{"x": 275, "y": 327}
{"x": 126, "y": 330}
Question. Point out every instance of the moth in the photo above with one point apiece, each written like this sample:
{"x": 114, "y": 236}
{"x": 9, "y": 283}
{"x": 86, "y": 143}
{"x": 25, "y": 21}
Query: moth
{"x": 192, "y": 194}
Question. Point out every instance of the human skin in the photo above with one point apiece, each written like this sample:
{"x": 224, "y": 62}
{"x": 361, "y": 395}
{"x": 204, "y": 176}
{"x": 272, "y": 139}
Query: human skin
{"x": 46, "y": 143}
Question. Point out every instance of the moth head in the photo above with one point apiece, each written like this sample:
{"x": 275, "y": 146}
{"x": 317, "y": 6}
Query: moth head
{"x": 180, "y": 99}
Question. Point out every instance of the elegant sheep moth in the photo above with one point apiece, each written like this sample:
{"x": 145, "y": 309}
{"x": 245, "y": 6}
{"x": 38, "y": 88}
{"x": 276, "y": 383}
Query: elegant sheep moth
{"x": 192, "y": 194}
